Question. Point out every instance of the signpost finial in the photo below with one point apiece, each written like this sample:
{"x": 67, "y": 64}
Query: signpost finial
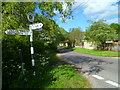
{"x": 32, "y": 17}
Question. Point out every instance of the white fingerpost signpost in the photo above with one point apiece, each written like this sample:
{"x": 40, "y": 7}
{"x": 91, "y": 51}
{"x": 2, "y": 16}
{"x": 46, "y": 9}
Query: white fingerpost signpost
{"x": 36, "y": 26}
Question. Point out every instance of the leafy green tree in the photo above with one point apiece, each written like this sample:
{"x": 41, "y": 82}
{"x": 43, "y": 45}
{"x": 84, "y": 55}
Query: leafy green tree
{"x": 116, "y": 26}
{"x": 100, "y": 32}
{"x": 48, "y": 8}
{"x": 64, "y": 34}
{"x": 14, "y": 16}
{"x": 76, "y": 35}
{"x": 14, "y": 13}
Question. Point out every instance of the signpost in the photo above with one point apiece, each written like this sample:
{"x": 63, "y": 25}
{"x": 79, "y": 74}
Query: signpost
{"x": 109, "y": 41}
{"x": 18, "y": 32}
{"x": 36, "y": 26}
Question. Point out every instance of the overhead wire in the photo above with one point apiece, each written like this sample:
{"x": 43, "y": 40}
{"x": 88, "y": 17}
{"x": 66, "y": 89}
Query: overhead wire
{"x": 82, "y": 4}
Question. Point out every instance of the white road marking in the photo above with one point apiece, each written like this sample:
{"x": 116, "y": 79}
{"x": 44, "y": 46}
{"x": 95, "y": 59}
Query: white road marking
{"x": 98, "y": 77}
{"x": 112, "y": 83}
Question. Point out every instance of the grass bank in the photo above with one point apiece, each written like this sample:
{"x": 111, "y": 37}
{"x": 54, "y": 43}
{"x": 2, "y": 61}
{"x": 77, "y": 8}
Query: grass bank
{"x": 96, "y": 52}
{"x": 53, "y": 76}
{"x": 64, "y": 76}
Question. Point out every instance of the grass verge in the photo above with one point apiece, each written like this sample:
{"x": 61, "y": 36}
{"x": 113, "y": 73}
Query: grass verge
{"x": 63, "y": 76}
{"x": 96, "y": 52}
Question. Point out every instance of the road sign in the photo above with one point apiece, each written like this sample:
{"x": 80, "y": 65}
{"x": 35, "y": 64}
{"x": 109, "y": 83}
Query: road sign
{"x": 18, "y": 32}
{"x": 36, "y": 26}
{"x": 109, "y": 41}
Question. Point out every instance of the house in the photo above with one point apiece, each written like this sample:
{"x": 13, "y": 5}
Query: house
{"x": 64, "y": 43}
{"x": 109, "y": 45}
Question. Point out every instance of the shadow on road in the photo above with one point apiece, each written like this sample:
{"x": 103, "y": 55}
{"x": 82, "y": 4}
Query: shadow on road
{"x": 63, "y": 50}
{"x": 89, "y": 64}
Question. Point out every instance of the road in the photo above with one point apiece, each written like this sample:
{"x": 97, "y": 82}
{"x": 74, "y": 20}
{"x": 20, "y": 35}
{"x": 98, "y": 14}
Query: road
{"x": 102, "y": 72}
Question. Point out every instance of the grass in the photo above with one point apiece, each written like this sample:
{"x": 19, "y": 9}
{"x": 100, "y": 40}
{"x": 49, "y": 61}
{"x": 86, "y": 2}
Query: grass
{"x": 63, "y": 76}
{"x": 96, "y": 52}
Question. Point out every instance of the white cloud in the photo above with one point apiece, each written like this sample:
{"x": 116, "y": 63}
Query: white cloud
{"x": 101, "y": 9}
{"x": 97, "y": 8}
{"x": 115, "y": 20}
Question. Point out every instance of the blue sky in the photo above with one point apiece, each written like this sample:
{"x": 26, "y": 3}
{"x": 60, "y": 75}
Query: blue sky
{"x": 79, "y": 20}
{"x": 84, "y": 10}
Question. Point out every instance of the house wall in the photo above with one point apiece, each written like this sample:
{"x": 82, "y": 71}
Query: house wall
{"x": 113, "y": 47}
{"x": 88, "y": 45}
{"x": 63, "y": 44}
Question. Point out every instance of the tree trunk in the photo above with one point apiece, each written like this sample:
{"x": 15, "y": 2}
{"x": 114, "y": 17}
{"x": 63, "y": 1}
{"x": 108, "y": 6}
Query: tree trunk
{"x": 103, "y": 46}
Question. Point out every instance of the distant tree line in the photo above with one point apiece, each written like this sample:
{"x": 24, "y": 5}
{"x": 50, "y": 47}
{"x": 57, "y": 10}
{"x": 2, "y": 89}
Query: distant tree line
{"x": 98, "y": 33}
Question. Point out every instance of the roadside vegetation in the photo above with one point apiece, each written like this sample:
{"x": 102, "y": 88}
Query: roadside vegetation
{"x": 45, "y": 42}
{"x": 96, "y": 52}
{"x": 53, "y": 76}
{"x": 98, "y": 33}
{"x": 66, "y": 77}
{"x": 14, "y": 17}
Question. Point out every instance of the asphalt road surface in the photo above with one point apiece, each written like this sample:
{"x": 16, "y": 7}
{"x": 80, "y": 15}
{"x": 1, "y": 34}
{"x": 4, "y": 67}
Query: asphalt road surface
{"x": 102, "y": 72}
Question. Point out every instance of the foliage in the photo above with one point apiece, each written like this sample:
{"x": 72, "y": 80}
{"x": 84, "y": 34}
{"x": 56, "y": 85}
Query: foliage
{"x": 50, "y": 35}
{"x": 37, "y": 81}
{"x": 48, "y": 8}
{"x": 14, "y": 13}
{"x": 100, "y": 32}
{"x": 64, "y": 34}
{"x": 65, "y": 77}
{"x": 96, "y": 52}
{"x": 76, "y": 35}
{"x": 11, "y": 63}
{"x": 116, "y": 27}
{"x": 14, "y": 16}
{"x": 77, "y": 43}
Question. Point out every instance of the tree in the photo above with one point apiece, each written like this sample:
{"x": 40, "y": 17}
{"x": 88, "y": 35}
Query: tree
{"x": 116, "y": 26}
{"x": 48, "y": 8}
{"x": 14, "y": 16}
{"x": 76, "y": 35}
{"x": 100, "y": 32}
{"x": 63, "y": 33}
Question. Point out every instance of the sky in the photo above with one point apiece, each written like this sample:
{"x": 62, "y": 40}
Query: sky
{"x": 84, "y": 10}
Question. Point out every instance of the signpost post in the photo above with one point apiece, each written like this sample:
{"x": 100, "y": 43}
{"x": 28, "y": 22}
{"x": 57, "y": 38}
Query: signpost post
{"x": 36, "y": 26}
